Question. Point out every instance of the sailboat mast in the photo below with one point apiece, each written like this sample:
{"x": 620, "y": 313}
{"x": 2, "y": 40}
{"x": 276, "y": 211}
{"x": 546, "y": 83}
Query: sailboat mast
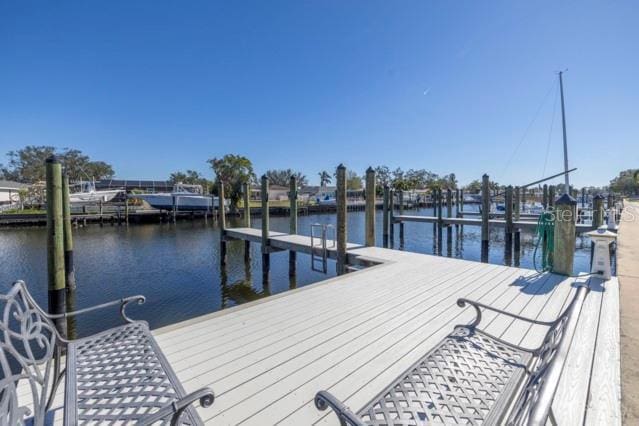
{"x": 563, "y": 123}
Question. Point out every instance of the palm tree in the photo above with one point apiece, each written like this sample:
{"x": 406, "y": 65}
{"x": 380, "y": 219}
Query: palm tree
{"x": 325, "y": 178}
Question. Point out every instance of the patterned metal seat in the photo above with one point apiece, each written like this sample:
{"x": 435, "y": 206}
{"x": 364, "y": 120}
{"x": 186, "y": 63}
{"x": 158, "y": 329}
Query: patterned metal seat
{"x": 473, "y": 378}
{"x": 118, "y": 376}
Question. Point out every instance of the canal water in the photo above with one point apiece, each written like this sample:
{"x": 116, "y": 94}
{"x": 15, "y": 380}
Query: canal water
{"x": 176, "y": 266}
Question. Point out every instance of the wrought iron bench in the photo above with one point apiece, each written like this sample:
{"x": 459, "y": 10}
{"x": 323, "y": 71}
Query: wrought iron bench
{"x": 473, "y": 377}
{"x": 118, "y": 376}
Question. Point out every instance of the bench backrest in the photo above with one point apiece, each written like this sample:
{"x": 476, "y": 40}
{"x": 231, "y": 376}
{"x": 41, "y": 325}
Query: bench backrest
{"x": 28, "y": 351}
{"x": 534, "y": 403}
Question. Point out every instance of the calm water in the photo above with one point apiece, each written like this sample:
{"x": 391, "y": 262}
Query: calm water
{"x": 177, "y": 266}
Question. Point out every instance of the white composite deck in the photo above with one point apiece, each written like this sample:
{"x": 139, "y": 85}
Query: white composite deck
{"x": 352, "y": 335}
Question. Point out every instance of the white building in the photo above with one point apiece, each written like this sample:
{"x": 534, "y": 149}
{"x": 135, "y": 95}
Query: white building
{"x": 9, "y": 191}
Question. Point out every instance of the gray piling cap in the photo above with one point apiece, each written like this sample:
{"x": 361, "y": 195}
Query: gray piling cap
{"x": 370, "y": 170}
{"x": 565, "y": 200}
{"x": 598, "y": 197}
{"x": 53, "y": 159}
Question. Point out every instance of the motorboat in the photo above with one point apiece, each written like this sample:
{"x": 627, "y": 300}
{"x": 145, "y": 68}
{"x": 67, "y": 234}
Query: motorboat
{"x": 183, "y": 197}
{"x": 87, "y": 194}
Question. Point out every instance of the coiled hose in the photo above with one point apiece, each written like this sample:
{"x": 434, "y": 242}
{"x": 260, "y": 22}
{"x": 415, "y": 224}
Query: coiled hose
{"x": 545, "y": 235}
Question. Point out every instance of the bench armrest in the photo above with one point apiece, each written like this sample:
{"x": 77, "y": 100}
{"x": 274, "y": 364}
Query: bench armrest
{"x": 176, "y": 408}
{"x": 122, "y": 302}
{"x": 324, "y": 399}
{"x": 479, "y": 306}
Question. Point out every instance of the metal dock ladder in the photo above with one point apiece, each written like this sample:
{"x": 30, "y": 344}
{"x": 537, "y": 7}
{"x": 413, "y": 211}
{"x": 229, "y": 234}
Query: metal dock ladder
{"x": 319, "y": 250}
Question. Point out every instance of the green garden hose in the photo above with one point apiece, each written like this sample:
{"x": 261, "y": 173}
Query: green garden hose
{"x": 546, "y": 239}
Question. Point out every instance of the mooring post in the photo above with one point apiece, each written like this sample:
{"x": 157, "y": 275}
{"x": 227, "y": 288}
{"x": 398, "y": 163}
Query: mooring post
{"x": 266, "y": 257}
{"x": 55, "y": 242}
{"x": 246, "y": 200}
{"x": 222, "y": 222}
{"x": 517, "y": 217}
{"x": 583, "y": 197}
{"x": 385, "y": 216}
{"x": 68, "y": 235}
{"x": 544, "y": 197}
{"x": 126, "y": 209}
{"x": 564, "y": 242}
{"x": 485, "y": 215}
{"x": 292, "y": 197}
{"x": 340, "y": 200}
{"x": 391, "y": 219}
{"x": 456, "y": 207}
{"x": 460, "y": 209}
{"x": 508, "y": 237}
{"x": 370, "y": 207}
{"x": 551, "y": 196}
{"x": 597, "y": 211}
{"x": 401, "y": 223}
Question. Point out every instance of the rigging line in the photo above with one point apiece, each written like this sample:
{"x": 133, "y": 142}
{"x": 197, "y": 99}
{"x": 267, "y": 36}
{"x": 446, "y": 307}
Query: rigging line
{"x": 512, "y": 156}
{"x": 552, "y": 123}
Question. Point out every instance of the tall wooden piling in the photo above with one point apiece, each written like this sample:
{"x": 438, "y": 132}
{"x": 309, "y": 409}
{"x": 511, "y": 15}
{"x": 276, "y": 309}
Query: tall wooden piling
{"x": 597, "y": 211}
{"x": 401, "y": 224}
{"x": 55, "y": 241}
{"x": 222, "y": 221}
{"x": 564, "y": 242}
{"x": 456, "y": 207}
{"x": 68, "y": 236}
{"x": 385, "y": 216}
{"x": 340, "y": 200}
{"x": 485, "y": 215}
{"x": 460, "y": 208}
{"x": 517, "y": 216}
{"x": 391, "y": 219}
{"x": 292, "y": 196}
{"x": 544, "y": 197}
{"x": 551, "y": 196}
{"x": 266, "y": 256}
{"x": 246, "y": 201}
{"x": 508, "y": 236}
{"x": 370, "y": 207}
{"x": 126, "y": 209}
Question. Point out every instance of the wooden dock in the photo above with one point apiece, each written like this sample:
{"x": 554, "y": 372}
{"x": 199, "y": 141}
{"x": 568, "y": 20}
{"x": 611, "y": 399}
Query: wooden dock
{"x": 353, "y": 334}
{"x": 527, "y": 225}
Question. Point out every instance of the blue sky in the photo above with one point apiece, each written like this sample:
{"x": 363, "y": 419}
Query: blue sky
{"x": 450, "y": 86}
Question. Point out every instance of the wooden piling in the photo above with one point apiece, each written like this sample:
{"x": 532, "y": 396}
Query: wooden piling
{"x": 340, "y": 200}
{"x": 266, "y": 257}
{"x": 485, "y": 213}
{"x": 544, "y": 197}
{"x": 597, "y": 211}
{"x": 551, "y": 196}
{"x": 126, "y": 209}
{"x": 221, "y": 208}
{"x": 517, "y": 215}
{"x": 55, "y": 241}
{"x": 391, "y": 219}
{"x": 456, "y": 207}
{"x": 246, "y": 200}
{"x": 564, "y": 242}
{"x": 385, "y": 216}
{"x": 508, "y": 237}
{"x": 292, "y": 196}
{"x": 460, "y": 209}
{"x": 401, "y": 224}
{"x": 370, "y": 207}
{"x": 68, "y": 235}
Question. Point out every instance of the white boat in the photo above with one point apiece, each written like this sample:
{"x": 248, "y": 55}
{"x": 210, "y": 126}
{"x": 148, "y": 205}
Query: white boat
{"x": 89, "y": 195}
{"x": 184, "y": 197}
{"x": 326, "y": 200}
